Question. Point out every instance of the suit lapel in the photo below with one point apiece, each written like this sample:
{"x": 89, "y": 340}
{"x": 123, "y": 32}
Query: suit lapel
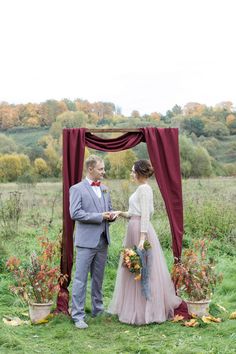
{"x": 93, "y": 195}
{"x": 104, "y": 196}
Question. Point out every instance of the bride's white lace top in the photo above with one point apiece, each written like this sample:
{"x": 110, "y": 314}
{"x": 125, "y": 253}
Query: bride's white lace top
{"x": 141, "y": 204}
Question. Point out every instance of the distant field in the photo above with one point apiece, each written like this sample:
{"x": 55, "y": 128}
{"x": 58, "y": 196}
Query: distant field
{"x": 27, "y": 137}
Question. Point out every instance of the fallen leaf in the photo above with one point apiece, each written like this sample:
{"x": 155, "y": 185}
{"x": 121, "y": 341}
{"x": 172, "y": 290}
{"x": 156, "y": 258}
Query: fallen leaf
{"x": 210, "y": 318}
{"x": 25, "y": 314}
{"x": 233, "y": 316}
{"x": 206, "y": 319}
{"x": 191, "y": 323}
{"x": 221, "y": 307}
{"x": 177, "y": 318}
{"x": 15, "y": 321}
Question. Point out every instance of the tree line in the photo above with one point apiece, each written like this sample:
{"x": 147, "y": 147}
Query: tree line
{"x": 203, "y": 132}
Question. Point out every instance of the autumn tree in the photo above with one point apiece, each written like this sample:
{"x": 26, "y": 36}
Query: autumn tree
{"x": 135, "y": 114}
{"x": 224, "y": 106}
{"x": 9, "y": 117}
{"x": 119, "y": 164}
{"x": 68, "y": 120}
{"x": 13, "y": 166}
{"x": 41, "y": 167}
{"x": 194, "y": 108}
{"x": 50, "y": 110}
{"x": 231, "y": 123}
{"x": 156, "y": 116}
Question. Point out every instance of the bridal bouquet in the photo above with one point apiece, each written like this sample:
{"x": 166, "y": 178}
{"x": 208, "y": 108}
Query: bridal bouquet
{"x": 138, "y": 262}
{"x": 132, "y": 261}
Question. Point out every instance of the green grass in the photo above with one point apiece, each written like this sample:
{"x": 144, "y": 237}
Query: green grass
{"x": 208, "y": 202}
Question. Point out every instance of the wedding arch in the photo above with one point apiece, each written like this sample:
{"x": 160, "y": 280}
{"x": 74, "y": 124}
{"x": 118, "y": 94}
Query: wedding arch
{"x": 163, "y": 150}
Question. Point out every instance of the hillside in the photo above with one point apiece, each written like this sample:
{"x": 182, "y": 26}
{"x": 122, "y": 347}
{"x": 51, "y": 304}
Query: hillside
{"x": 31, "y": 134}
{"x": 27, "y": 137}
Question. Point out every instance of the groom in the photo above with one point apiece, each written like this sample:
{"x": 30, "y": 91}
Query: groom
{"x": 90, "y": 207}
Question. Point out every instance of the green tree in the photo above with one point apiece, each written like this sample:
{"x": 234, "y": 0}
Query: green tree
{"x": 201, "y": 165}
{"x": 216, "y": 129}
{"x": 7, "y": 144}
{"x": 193, "y": 125}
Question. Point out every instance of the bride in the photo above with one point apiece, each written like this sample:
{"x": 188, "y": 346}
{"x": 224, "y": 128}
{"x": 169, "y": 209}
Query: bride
{"x": 128, "y": 301}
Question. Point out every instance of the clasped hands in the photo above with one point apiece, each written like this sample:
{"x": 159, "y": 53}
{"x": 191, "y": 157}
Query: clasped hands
{"x": 113, "y": 215}
{"x": 110, "y": 215}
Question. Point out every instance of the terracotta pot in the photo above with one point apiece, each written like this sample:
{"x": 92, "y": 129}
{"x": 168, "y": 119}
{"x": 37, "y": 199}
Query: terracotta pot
{"x": 38, "y": 312}
{"x": 199, "y": 308}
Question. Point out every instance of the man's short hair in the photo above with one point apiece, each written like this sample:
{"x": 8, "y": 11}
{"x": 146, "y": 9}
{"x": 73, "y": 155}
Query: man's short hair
{"x": 92, "y": 160}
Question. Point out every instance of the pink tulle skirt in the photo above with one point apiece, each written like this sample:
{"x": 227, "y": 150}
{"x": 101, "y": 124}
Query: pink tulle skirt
{"x": 128, "y": 302}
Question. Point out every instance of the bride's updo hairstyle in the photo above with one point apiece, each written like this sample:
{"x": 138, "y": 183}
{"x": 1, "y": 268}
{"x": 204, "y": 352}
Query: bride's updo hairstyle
{"x": 143, "y": 168}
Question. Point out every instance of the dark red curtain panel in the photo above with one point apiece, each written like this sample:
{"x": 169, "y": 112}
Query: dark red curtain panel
{"x": 163, "y": 149}
{"x": 72, "y": 169}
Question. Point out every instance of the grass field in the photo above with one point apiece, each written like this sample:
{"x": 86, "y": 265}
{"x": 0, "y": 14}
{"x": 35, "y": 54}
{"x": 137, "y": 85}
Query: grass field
{"x": 210, "y": 212}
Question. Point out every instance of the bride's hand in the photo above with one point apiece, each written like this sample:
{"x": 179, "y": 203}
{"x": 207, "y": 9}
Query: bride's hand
{"x": 115, "y": 214}
{"x": 143, "y": 237}
{"x": 141, "y": 244}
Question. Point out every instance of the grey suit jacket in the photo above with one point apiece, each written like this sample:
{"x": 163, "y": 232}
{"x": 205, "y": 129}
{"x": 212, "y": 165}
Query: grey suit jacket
{"x": 86, "y": 210}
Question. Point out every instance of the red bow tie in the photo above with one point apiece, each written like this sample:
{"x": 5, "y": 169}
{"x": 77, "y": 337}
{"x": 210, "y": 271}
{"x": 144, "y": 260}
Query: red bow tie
{"x": 97, "y": 184}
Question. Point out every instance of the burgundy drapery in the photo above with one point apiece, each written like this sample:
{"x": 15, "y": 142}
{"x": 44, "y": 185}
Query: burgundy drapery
{"x": 162, "y": 145}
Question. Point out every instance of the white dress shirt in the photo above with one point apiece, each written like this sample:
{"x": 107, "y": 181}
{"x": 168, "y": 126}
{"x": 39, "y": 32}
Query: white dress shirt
{"x": 96, "y": 189}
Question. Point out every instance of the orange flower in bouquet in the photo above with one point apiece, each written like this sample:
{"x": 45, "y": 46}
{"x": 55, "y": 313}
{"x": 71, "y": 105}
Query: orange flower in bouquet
{"x": 132, "y": 261}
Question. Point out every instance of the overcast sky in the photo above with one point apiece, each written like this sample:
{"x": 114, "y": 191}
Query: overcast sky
{"x": 146, "y": 55}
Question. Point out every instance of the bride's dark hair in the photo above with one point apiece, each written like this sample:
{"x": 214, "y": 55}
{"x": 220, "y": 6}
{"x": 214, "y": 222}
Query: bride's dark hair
{"x": 143, "y": 168}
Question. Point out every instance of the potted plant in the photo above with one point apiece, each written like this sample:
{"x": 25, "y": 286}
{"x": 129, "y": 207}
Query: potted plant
{"x": 37, "y": 280}
{"x": 195, "y": 278}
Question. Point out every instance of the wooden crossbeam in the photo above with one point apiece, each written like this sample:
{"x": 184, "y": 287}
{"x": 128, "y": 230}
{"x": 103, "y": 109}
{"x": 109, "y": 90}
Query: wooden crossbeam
{"x": 113, "y": 130}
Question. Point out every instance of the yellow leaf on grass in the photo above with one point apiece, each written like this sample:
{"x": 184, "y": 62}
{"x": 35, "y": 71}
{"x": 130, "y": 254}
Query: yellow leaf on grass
{"x": 177, "y": 318}
{"x": 217, "y": 320}
{"x": 206, "y": 319}
{"x": 210, "y": 318}
{"x": 191, "y": 323}
{"x": 233, "y": 316}
{"x": 15, "y": 321}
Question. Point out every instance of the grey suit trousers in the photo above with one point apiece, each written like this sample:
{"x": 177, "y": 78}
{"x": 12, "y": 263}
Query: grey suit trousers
{"x": 93, "y": 260}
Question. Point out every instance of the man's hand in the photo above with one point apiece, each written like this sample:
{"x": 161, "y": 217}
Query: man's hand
{"x": 106, "y": 215}
{"x": 115, "y": 214}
